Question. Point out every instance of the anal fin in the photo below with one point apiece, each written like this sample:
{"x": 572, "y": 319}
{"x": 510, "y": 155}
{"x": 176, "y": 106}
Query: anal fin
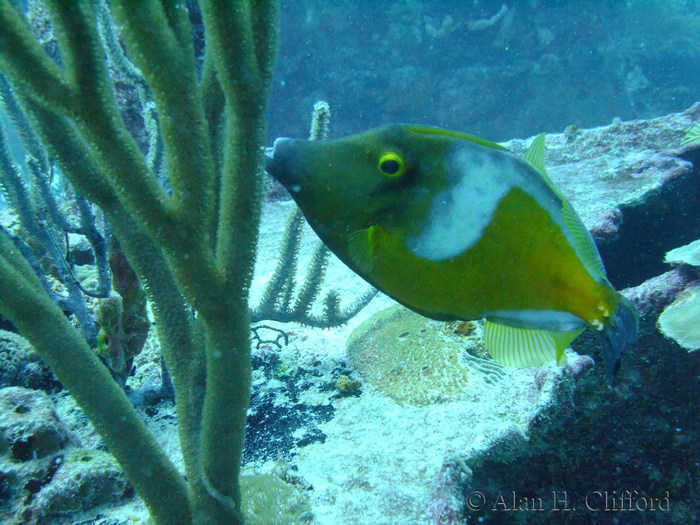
{"x": 524, "y": 348}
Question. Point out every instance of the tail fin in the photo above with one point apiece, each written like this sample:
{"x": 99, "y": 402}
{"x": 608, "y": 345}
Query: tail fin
{"x": 621, "y": 332}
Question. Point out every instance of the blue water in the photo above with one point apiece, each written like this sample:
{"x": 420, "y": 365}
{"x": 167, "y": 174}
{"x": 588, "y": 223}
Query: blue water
{"x": 494, "y": 71}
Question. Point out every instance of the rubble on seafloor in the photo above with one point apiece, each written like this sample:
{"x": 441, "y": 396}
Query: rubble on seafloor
{"x": 493, "y": 451}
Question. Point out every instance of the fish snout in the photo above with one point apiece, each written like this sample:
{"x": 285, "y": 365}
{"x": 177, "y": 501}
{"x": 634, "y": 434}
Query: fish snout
{"x": 280, "y": 164}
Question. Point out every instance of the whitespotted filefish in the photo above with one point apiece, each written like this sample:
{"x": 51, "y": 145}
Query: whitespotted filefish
{"x": 456, "y": 227}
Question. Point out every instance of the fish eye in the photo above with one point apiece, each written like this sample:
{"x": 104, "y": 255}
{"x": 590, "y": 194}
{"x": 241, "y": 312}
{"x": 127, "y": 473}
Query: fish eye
{"x": 392, "y": 165}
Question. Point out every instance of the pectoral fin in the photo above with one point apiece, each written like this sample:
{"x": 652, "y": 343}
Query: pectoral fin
{"x": 361, "y": 245}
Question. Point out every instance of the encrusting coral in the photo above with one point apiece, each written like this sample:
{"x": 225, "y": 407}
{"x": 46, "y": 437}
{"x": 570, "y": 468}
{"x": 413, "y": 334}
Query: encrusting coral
{"x": 679, "y": 320}
{"x": 15, "y": 353}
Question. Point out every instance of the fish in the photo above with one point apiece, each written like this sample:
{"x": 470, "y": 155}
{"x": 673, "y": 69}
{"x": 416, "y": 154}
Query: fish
{"x": 455, "y": 227}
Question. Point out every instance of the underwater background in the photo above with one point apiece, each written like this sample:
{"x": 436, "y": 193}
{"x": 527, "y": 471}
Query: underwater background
{"x": 496, "y": 70}
{"x": 363, "y": 412}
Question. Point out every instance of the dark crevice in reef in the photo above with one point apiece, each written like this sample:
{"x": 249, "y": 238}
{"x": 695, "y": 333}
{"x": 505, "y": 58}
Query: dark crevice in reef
{"x": 668, "y": 218}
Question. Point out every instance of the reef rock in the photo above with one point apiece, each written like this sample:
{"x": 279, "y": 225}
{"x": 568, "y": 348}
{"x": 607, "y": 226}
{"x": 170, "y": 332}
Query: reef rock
{"x": 44, "y": 473}
{"x": 83, "y": 479}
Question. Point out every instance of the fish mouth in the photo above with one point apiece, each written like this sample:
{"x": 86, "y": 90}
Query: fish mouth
{"x": 280, "y": 163}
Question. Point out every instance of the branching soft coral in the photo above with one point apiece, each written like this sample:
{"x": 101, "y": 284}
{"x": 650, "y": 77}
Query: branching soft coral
{"x": 189, "y": 231}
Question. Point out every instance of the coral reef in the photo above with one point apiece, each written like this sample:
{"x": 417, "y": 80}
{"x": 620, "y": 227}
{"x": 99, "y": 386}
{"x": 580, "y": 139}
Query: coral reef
{"x": 62, "y": 235}
{"x": 83, "y": 479}
{"x": 643, "y": 431}
{"x": 172, "y": 158}
{"x": 291, "y": 398}
{"x": 348, "y": 386}
{"x": 679, "y": 320}
{"x": 529, "y": 432}
{"x": 688, "y": 254}
{"x": 45, "y": 221}
{"x": 278, "y": 301}
{"x": 20, "y": 365}
{"x": 271, "y": 500}
{"x": 29, "y": 426}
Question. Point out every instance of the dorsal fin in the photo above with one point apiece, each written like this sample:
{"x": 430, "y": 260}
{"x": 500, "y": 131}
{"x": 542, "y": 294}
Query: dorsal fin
{"x": 524, "y": 348}
{"x": 535, "y": 155}
{"x": 585, "y": 246}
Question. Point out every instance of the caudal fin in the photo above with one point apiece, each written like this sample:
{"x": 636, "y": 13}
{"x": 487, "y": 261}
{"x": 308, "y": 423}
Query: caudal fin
{"x": 617, "y": 335}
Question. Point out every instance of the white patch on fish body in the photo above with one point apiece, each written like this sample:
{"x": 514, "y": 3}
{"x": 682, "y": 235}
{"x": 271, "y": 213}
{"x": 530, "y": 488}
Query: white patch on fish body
{"x": 481, "y": 178}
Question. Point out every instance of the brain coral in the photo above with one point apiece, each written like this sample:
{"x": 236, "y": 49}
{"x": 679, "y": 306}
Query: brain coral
{"x": 413, "y": 359}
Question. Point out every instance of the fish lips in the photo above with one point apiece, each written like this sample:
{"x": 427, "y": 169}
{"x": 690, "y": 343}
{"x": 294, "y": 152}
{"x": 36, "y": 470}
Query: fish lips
{"x": 281, "y": 164}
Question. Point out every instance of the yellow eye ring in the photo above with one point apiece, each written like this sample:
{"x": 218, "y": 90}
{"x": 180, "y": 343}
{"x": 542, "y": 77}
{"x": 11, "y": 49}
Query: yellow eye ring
{"x": 391, "y": 165}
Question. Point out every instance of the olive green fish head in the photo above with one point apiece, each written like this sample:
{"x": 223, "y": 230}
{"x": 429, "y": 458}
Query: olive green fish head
{"x": 344, "y": 185}
{"x": 384, "y": 176}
